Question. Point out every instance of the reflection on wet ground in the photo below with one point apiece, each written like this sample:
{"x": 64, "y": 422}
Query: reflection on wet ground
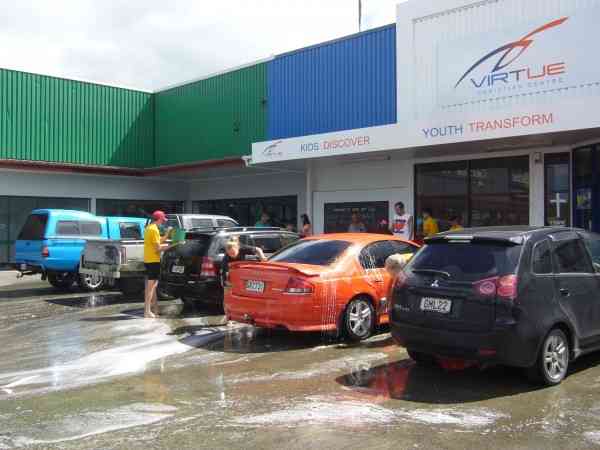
{"x": 86, "y": 372}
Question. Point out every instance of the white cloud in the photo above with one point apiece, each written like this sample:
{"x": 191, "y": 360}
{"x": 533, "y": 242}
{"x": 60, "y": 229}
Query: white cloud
{"x": 152, "y": 43}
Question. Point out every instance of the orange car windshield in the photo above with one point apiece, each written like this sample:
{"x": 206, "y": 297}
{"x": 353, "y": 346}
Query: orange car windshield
{"x": 314, "y": 251}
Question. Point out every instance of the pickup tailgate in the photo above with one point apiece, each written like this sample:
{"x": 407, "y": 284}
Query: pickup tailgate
{"x": 109, "y": 257}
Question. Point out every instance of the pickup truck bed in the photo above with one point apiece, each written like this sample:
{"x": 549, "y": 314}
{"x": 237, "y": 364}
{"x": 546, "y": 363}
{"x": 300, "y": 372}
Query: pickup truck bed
{"x": 113, "y": 259}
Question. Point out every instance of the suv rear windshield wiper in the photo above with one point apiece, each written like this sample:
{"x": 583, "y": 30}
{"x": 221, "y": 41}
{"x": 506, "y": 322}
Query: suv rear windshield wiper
{"x": 432, "y": 272}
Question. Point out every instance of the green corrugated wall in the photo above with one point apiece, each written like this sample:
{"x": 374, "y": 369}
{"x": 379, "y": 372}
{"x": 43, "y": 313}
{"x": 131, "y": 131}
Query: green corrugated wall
{"x": 52, "y": 119}
{"x": 215, "y": 118}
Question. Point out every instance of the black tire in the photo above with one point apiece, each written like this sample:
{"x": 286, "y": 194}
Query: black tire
{"x": 131, "y": 287}
{"x": 189, "y": 304}
{"x": 552, "y": 363}
{"x": 61, "y": 281}
{"x": 423, "y": 359}
{"x": 90, "y": 283}
{"x": 359, "y": 319}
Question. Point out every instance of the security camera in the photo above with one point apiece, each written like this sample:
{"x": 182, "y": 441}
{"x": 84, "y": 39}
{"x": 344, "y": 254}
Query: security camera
{"x": 247, "y": 160}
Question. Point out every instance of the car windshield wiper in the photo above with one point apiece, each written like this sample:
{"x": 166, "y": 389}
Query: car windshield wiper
{"x": 432, "y": 272}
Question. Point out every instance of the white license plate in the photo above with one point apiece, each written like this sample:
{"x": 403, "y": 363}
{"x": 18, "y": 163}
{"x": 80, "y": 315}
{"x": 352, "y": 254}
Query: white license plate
{"x": 178, "y": 269}
{"x": 255, "y": 286}
{"x": 438, "y": 305}
{"x": 23, "y": 267}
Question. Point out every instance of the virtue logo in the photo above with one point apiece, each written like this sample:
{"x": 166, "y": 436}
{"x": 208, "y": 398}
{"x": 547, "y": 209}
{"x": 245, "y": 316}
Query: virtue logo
{"x": 508, "y": 54}
{"x": 271, "y": 150}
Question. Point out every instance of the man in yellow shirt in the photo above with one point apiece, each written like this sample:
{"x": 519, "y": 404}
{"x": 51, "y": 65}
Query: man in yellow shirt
{"x": 430, "y": 226}
{"x": 455, "y": 224}
{"x": 153, "y": 246}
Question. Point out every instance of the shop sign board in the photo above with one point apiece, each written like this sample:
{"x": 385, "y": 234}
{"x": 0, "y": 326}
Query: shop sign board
{"x": 531, "y": 77}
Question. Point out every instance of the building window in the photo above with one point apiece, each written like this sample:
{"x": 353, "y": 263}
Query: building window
{"x": 483, "y": 192}
{"x": 136, "y": 208}
{"x": 247, "y": 211}
{"x": 353, "y": 217}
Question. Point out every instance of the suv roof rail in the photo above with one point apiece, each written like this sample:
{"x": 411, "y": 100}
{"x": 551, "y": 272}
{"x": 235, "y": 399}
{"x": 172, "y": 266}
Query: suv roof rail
{"x": 242, "y": 229}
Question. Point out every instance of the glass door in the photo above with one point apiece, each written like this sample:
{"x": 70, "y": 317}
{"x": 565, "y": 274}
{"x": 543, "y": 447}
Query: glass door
{"x": 557, "y": 203}
{"x": 585, "y": 188}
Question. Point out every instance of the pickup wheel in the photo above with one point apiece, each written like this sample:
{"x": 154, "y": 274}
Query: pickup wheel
{"x": 61, "y": 281}
{"x": 90, "y": 283}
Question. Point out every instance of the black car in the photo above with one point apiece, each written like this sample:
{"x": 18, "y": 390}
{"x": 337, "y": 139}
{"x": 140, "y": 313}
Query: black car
{"x": 190, "y": 270}
{"x": 525, "y": 297}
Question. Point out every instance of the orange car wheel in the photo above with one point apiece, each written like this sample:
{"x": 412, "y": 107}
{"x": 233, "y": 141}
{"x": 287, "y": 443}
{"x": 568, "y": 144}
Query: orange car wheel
{"x": 359, "y": 319}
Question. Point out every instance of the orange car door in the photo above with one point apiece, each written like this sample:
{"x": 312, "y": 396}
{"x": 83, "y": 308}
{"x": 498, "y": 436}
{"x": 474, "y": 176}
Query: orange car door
{"x": 372, "y": 260}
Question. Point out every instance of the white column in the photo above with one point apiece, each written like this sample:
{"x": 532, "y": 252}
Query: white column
{"x": 309, "y": 190}
{"x": 536, "y": 189}
{"x": 93, "y": 205}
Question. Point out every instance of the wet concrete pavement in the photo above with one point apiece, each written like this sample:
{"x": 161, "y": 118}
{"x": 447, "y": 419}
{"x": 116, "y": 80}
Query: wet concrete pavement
{"x": 80, "y": 371}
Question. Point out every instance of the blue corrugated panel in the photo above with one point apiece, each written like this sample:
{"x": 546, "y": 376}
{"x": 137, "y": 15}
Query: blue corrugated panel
{"x": 341, "y": 85}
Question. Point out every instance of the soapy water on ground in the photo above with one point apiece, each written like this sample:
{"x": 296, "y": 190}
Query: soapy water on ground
{"x": 146, "y": 342}
{"x": 323, "y": 411}
{"x": 89, "y": 423}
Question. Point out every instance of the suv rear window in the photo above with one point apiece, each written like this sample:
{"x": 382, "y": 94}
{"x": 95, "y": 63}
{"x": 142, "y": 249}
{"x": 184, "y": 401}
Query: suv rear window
{"x": 194, "y": 222}
{"x": 226, "y": 223}
{"x": 468, "y": 261}
{"x": 34, "y": 228}
{"x": 312, "y": 251}
{"x": 268, "y": 243}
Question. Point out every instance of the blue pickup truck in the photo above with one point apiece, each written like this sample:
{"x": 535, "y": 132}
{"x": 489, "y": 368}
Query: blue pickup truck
{"x": 51, "y": 242}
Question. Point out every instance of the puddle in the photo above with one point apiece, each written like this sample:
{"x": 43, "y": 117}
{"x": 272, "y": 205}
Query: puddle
{"x": 362, "y": 362}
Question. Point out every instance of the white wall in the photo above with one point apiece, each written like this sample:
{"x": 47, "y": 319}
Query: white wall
{"x": 40, "y": 184}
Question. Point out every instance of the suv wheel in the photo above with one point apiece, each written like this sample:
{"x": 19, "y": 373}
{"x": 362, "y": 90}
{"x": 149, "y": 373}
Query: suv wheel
{"x": 359, "y": 319}
{"x": 422, "y": 359}
{"x": 90, "y": 283}
{"x": 553, "y": 360}
{"x": 61, "y": 281}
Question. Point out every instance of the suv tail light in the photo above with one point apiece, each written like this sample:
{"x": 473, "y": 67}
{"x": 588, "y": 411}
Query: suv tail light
{"x": 208, "y": 269}
{"x": 45, "y": 252}
{"x": 299, "y": 286}
{"x": 504, "y": 287}
{"x": 123, "y": 255}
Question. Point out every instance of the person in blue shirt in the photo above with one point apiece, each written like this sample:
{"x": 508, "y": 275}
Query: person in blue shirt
{"x": 264, "y": 221}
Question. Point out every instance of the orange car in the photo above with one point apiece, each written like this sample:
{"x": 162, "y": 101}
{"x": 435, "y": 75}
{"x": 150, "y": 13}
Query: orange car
{"x": 334, "y": 282}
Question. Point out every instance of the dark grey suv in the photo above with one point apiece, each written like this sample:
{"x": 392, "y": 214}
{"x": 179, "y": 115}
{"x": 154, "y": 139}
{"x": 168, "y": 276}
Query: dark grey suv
{"x": 525, "y": 297}
{"x": 190, "y": 271}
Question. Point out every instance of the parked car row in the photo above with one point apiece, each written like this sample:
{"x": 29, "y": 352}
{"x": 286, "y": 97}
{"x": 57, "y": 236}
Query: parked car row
{"x": 122, "y": 259}
{"x": 72, "y": 246}
{"x": 527, "y": 297}
{"x": 520, "y": 296}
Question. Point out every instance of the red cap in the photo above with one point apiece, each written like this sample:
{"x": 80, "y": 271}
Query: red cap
{"x": 158, "y": 215}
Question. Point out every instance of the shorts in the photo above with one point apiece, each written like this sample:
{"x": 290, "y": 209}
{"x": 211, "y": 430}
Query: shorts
{"x": 152, "y": 271}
